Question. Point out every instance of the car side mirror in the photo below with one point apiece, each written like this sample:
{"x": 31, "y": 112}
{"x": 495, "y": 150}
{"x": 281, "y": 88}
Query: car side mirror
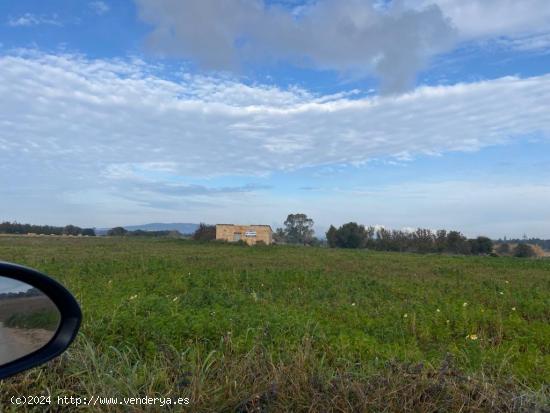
{"x": 39, "y": 319}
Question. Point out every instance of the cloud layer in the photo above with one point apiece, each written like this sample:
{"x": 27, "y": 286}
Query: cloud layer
{"x": 351, "y": 36}
{"x": 115, "y": 137}
{"x": 57, "y": 109}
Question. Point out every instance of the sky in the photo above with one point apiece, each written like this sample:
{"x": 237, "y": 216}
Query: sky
{"x": 403, "y": 113}
{"x": 9, "y": 285}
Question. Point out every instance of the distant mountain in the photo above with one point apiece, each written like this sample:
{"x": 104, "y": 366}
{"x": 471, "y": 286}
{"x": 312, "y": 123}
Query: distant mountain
{"x": 183, "y": 228}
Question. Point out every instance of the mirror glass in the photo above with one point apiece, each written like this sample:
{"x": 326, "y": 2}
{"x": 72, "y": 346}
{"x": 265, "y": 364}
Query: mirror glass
{"x": 28, "y": 319}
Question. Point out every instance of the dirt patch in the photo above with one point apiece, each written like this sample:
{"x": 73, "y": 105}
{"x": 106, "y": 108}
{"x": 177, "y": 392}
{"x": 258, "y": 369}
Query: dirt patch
{"x": 32, "y": 338}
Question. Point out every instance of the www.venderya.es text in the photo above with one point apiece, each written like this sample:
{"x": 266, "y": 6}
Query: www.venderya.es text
{"x": 100, "y": 401}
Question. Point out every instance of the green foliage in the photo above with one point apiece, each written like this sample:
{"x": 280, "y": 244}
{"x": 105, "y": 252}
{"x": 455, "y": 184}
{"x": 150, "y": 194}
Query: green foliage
{"x": 332, "y": 237}
{"x": 349, "y": 235}
{"x": 17, "y": 228}
{"x": 45, "y": 319}
{"x": 279, "y": 236}
{"x": 481, "y": 245}
{"x": 524, "y": 251}
{"x": 231, "y": 321}
{"x": 298, "y": 229}
{"x": 503, "y": 248}
{"x": 117, "y": 232}
{"x": 72, "y": 230}
{"x": 205, "y": 233}
{"x": 90, "y": 232}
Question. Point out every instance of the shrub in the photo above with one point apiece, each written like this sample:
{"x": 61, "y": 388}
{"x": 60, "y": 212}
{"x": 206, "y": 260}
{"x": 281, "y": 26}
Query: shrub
{"x": 503, "y": 249}
{"x": 481, "y": 245}
{"x": 524, "y": 251}
{"x": 205, "y": 233}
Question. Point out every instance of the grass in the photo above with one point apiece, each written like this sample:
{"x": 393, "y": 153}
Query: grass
{"x": 294, "y": 329}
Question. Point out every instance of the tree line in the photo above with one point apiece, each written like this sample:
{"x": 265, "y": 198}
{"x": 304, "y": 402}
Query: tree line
{"x": 543, "y": 243}
{"x": 298, "y": 229}
{"x": 421, "y": 240}
{"x": 121, "y": 231}
{"x": 17, "y": 228}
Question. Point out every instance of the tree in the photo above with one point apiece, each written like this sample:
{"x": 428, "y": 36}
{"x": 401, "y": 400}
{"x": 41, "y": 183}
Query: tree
{"x": 441, "y": 240}
{"x": 117, "y": 232}
{"x": 523, "y": 250}
{"x": 90, "y": 232}
{"x": 503, "y": 249}
{"x": 423, "y": 240}
{"x": 205, "y": 232}
{"x": 332, "y": 237}
{"x": 351, "y": 235}
{"x": 481, "y": 245}
{"x": 279, "y": 236}
{"x": 298, "y": 229}
{"x": 72, "y": 230}
{"x": 457, "y": 243}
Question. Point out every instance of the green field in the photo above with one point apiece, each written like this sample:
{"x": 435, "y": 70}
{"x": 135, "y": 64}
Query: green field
{"x": 294, "y": 328}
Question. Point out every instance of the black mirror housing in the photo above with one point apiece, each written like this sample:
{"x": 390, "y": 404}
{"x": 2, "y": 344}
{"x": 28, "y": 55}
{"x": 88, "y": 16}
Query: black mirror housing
{"x": 69, "y": 324}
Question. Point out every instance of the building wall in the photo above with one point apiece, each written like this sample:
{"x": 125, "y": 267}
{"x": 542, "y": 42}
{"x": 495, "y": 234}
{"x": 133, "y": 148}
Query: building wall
{"x": 248, "y": 233}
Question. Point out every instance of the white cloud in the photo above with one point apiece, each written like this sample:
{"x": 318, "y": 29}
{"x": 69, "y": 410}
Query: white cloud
{"x": 30, "y": 19}
{"x": 99, "y": 7}
{"x": 519, "y": 25}
{"x": 70, "y": 125}
{"x": 355, "y": 37}
{"x": 489, "y": 18}
{"x": 57, "y": 107}
{"x": 533, "y": 42}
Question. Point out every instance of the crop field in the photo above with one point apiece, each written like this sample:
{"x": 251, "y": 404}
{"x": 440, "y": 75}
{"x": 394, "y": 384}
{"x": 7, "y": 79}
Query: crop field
{"x": 285, "y": 328}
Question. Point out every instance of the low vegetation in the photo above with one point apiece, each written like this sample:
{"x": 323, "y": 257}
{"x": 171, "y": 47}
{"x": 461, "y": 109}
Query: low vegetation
{"x": 46, "y": 320}
{"x": 294, "y": 329}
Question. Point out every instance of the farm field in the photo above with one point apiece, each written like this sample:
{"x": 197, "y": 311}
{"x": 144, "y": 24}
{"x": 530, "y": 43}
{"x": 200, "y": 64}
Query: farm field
{"x": 285, "y": 328}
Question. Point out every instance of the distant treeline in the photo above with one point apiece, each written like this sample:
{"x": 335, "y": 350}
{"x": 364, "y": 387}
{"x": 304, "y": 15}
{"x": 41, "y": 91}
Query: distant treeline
{"x": 31, "y": 292}
{"x": 353, "y": 235}
{"x": 120, "y": 231}
{"x": 16, "y": 228}
{"x": 543, "y": 243}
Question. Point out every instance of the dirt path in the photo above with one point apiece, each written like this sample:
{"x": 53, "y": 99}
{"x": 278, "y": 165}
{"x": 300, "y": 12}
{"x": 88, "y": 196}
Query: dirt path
{"x": 16, "y": 343}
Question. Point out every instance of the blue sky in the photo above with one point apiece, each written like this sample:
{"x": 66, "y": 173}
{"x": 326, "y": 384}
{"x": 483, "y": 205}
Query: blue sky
{"x": 430, "y": 113}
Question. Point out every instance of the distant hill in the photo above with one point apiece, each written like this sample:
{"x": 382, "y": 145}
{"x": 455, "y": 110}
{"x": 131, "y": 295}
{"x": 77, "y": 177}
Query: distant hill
{"x": 183, "y": 228}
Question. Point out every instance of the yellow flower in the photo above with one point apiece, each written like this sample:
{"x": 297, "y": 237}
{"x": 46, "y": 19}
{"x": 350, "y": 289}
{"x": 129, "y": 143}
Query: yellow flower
{"x": 133, "y": 297}
{"x": 501, "y": 292}
{"x": 353, "y": 304}
{"x": 465, "y": 304}
{"x": 405, "y": 315}
{"x": 472, "y": 336}
{"x": 513, "y": 308}
{"x": 438, "y": 310}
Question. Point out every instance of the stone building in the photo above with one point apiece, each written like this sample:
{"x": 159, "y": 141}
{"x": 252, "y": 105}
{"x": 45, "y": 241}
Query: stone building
{"x": 251, "y": 234}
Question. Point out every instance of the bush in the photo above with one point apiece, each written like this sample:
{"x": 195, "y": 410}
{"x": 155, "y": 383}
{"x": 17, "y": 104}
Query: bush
{"x": 205, "y": 233}
{"x": 524, "y": 251}
{"x": 117, "y": 231}
{"x": 481, "y": 245}
{"x": 350, "y": 235}
{"x": 503, "y": 249}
